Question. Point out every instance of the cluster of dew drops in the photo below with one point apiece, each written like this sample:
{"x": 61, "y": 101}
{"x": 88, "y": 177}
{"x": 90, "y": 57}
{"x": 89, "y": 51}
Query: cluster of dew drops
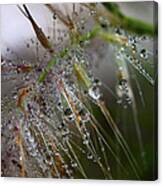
{"x": 58, "y": 121}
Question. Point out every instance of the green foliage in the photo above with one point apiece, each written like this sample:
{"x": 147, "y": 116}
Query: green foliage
{"x": 130, "y": 24}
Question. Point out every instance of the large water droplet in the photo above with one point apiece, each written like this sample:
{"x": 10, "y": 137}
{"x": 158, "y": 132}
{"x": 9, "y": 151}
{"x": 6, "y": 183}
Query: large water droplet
{"x": 94, "y": 93}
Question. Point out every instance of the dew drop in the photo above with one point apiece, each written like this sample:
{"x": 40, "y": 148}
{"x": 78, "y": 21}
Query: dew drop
{"x": 54, "y": 16}
{"x": 144, "y": 54}
{"x": 74, "y": 164}
{"x": 89, "y": 156}
{"x": 94, "y": 93}
{"x": 69, "y": 114}
{"x": 86, "y": 142}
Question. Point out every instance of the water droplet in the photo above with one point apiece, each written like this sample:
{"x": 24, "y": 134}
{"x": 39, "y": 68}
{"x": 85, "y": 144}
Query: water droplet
{"x": 69, "y": 114}
{"x": 118, "y": 31}
{"x": 86, "y": 142}
{"x": 97, "y": 82}
{"x": 93, "y": 12}
{"x": 54, "y": 16}
{"x": 134, "y": 48}
{"x": 62, "y": 125}
{"x": 144, "y": 54}
{"x": 89, "y": 156}
{"x": 94, "y": 92}
{"x": 124, "y": 93}
{"x": 84, "y": 115}
{"x": 74, "y": 164}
